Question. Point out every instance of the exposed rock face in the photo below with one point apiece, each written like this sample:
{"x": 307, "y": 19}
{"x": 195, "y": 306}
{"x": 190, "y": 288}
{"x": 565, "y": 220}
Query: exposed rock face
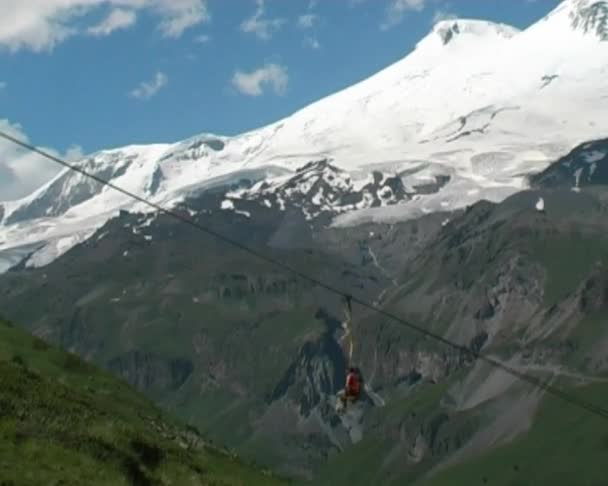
{"x": 152, "y": 373}
{"x": 321, "y": 191}
{"x": 316, "y": 373}
{"x": 591, "y": 16}
{"x": 585, "y": 165}
{"x": 593, "y": 296}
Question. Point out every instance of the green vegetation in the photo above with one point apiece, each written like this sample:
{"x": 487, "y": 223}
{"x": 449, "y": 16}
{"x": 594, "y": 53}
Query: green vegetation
{"x": 567, "y": 260}
{"x": 62, "y": 421}
{"x": 565, "y": 446}
{"x": 591, "y": 330}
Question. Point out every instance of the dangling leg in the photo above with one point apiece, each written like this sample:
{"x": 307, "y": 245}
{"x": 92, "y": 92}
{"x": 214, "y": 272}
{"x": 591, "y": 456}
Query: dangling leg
{"x": 341, "y": 401}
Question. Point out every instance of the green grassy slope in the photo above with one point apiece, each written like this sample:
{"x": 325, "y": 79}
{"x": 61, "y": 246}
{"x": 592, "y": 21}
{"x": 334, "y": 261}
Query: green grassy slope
{"x": 565, "y": 446}
{"x": 62, "y": 421}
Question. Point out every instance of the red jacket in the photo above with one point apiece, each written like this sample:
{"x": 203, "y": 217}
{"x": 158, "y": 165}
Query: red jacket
{"x": 352, "y": 384}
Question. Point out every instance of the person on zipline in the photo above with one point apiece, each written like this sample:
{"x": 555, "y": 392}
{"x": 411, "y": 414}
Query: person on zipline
{"x": 352, "y": 389}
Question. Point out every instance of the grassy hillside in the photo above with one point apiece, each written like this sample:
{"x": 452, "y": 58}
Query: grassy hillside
{"x": 62, "y": 421}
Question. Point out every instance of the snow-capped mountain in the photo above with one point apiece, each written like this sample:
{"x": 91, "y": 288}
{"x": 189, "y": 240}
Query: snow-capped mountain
{"x": 480, "y": 105}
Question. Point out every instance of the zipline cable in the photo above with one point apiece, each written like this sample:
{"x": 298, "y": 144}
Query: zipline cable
{"x": 534, "y": 381}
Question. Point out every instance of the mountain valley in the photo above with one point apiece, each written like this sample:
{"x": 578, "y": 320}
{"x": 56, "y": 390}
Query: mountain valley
{"x": 472, "y": 225}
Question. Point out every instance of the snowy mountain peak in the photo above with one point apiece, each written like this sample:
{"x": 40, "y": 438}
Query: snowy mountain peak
{"x": 449, "y": 30}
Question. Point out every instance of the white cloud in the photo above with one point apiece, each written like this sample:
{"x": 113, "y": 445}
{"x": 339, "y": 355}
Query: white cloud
{"x": 252, "y": 83}
{"x": 147, "y": 89}
{"x": 312, "y": 42}
{"x": 441, "y": 15}
{"x": 179, "y": 15}
{"x": 22, "y": 171}
{"x": 3, "y": 85}
{"x": 307, "y": 21}
{"x": 202, "y": 39}
{"x": 262, "y": 27}
{"x": 39, "y": 25}
{"x": 116, "y": 20}
{"x": 73, "y": 153}
{"x": 398, "y": 8}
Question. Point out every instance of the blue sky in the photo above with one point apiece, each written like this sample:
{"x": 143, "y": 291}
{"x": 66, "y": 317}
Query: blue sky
{"x": 71, "y": 71}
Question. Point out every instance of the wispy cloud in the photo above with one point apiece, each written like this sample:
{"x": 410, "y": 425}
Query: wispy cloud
{"x": 21, "y": 171}
{"x": 180, "y": 15}
{"x": 3, "y": 85}
{"x": 39, "y": 25}
{"x": 202, "y": 39}
{"x": 441, "y": 15}
{"x": 397, "y": 10}
{"x": 312, "y": 42}
{"x": 307, "y": 21}
{"x": 147, "y": 89}
{"x": 116, "y": 20}
{"x": 261, "y": 26}
{"x": 253, "y": 83}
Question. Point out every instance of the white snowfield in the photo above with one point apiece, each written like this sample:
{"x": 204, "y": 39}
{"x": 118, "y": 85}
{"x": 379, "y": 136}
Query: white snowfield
{"x": 481, "y": 102}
